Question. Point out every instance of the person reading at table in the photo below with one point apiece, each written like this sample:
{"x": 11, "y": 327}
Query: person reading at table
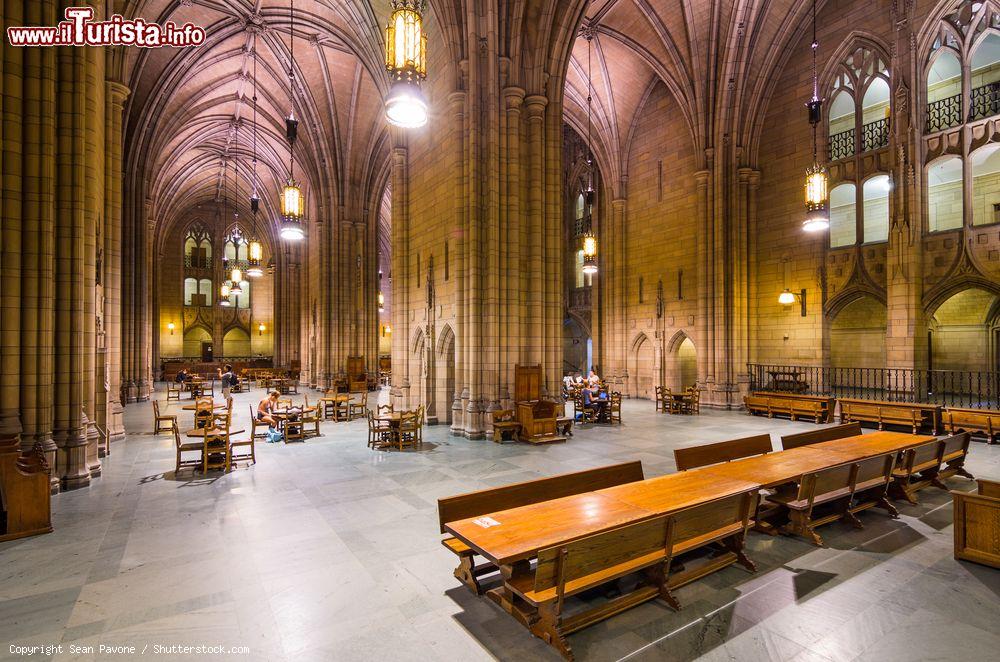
{"x": 594, "y": 402}
{"x": 182, "y": 376}
{"x": 265, "y": 408}
{"x": 593, "y": 379}
{"x": 228, "y": 380}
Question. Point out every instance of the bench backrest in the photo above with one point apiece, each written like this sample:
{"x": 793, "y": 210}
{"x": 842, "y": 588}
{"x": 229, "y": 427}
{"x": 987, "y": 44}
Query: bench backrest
{"x": 709, "y": 521}
{"x": 989, "y": 488}
{"x": 558, "y": 566}
{"x": 929, "y": 452}
{"x": 958, "y": 443}
{"x": 722, "y": 451}
{"x": 879, "y": 467}
{"x": 817, "y": 436}
{"x": 816, "y": 485}
{"x": 492, "y": 500}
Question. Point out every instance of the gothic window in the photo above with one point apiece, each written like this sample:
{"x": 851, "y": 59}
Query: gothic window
{"x": 875, "y": 213}
{"x": 197, "y": 248}
{"x": 985, "y": 163}
{"x": 843, "y": 215}
{"x": 858, "y": 111}
{"x": 944, "y": 194}
{"x": 236, "y": 246}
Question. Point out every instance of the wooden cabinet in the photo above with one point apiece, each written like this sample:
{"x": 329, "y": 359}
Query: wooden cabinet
{"x": 977, "y": 524}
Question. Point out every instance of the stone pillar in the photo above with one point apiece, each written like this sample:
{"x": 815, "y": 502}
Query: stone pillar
{"x": 706, "y": 256}
{"x": 116, "y": 93}
{"x": 459, "y": 404}
{"x": 399, "y": 393}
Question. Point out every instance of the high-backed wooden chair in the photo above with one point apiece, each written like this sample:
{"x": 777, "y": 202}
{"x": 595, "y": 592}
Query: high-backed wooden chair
{"x": 615, "y": 407}
{"x": 408, "y": 429}
{"x": 216, "y": 452}
{"x": 311, "y": 418}
{"x": 204, "y": 413}
{"x": 918, "y": 468}
{"x": 208, "y": 388}
{"x": 379, "y": 432}
{"x": 722, "y": 451}
{"x": 159, "y": 419}
{"x": 832, "y": 488}
{"x": 187, "y": 447}
{"x": 357, "y": 408}
{"x": 871, "y": 485}
{"x": 660, "y": 403}
{"x": 249, "y": 455}
{"x": 817, "y": 436}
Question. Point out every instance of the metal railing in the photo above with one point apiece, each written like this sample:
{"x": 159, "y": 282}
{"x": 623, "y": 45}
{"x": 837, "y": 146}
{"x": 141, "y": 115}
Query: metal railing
{"x": 985, "y": 101}
{"x": 197, "y": 262}
{"x": 944, "y": 113}
{"x": 953, "y": 388}
{"x": 875, "y": 135}
{"x": 842, "y": 145}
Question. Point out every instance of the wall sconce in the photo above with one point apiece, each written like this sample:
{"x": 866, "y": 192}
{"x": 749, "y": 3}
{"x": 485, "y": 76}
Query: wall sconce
{"x": 260, "y": 329}
{"x": 171, "y": 327}
{"x": 386, "y": 330}
{"x": 788, "y": 297}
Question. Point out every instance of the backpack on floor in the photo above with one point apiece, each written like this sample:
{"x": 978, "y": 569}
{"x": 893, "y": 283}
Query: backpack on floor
{"x": 273, "y": 436}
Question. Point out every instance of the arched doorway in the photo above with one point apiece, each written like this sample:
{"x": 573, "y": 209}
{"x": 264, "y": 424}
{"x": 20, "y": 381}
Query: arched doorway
{"x": 236, "y": 342}
{"x": 963, "y": 332}
{"x": 682, "y": 363}
{"x": 576, "y": 347}
{"x": 198, "y": 344}
{"x": 642, "y": 362}
{"x": 445, "y": 375}
{"x": 857, "y": 335}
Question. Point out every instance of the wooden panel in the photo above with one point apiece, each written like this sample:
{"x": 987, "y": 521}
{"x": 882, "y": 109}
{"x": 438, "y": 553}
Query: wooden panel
{"x": 977, "y": 526}
{"x": 25, "y": 501}
{"x": 473, "y": 504}
{"x": 527, "y": 382}
{"x": 723, "y": 451}
{"x": 817, "y": 436}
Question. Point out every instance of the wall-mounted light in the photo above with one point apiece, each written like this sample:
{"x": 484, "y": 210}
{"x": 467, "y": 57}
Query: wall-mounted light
{"x": 788, "y": 297}
{"x": 260, "y": 329}
{"x": 171, "y": 327}
{"x": 386, "y": 330}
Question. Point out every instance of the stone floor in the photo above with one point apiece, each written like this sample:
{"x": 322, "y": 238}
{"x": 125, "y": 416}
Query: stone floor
{"x": 330, "y": 551}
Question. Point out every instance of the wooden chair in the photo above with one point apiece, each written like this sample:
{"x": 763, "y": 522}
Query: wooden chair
{"x": 310, "y": 418}
{"x": 408, "y": 430}
{"x": 722, "y": 451}
{"x": 977, "y": 524}
{"x": 249, "y": 456}
{"x": 284, "y": 403}
{"x": 660, "y": 403}
{"x": 216, "y": 452}
{"x": 817, "y": 436}
{"x": 691, "y": 404}
{"x": 564, "y": 423}
{"x": 187, "y": 447}
{"x": 204, "y": 413}
{"x": 504, "y": 425}
{"x": 615, "y": 408}
{"x": 208, "y": 388}
{"x": 293, "y": 430}
{"x": 357, "y": 409}
{"x": 384, "y": 409}
{"x": 474, "y": 504}
{"x": 954, "y": 450}
{"x": 255, "y": 424}
{"x": 225, "y": 414}
{"x": 871, "y": 486}
{"x": 158, "y": 418}
{"x": 379, "y": 432}
{"x": 919, "y": 468}
{"x": 173, "y": 391}
{"x": 341, "y": 409}
{"x": 828, "y": 488}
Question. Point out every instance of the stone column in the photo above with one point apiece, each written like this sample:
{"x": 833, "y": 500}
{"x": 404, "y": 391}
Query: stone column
{"x": 456, "y": 106}
{"x": 705, "y": 280}
{"x": 116, "y": 93}
{"x": 400, "y": 281}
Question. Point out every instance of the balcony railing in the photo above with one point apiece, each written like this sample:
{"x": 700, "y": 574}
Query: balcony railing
{"x": 842, "y": 145}
{"x": 953, "y": 388}
{"x": 944, "y": 113}
{"x": 197, "y": 262}
{"x": 875, "y": 135}
{"x": 985, "y": 101}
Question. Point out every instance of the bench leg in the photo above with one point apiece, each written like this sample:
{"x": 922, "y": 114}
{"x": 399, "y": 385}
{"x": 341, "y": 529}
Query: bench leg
{"x": 853, "y": 520}
{"x": 799, "y": 525}
{"x": 547, "y": 629}
{"x": 958, "y": 469}
{"x": 662, "y": 575}
{"x": 466, "y": 573}
{"x": 900, "y": 489}
{"x": 889, "y": 508}
{"x": 735, "y": 545}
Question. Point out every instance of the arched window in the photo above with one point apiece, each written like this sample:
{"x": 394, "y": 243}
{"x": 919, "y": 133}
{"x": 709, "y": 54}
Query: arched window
{"x": 863, "y": 75}
{"x": 843, "y": 215}
{"x": 966, "y": 48}
{"x": 205, "y": 291}
{"x": 243, "y": 300}
{"x": 944, "y": 194}
{"x": 986, "y": 184}
{"x": 875, "y": 194}
{"x": 236, "y": 246}
{"x": 191, "y": 292}
{"x": 580, "y": 206}
{"x": 197, "y": 248}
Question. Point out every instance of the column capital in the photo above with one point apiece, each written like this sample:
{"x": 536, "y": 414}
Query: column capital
{"x": 457, "y": 100}
{"x": 513, "y": 97}
{"x": 536, "y": 106}
{"x": 117, "y": 91}
{"x": 701, "y": 178}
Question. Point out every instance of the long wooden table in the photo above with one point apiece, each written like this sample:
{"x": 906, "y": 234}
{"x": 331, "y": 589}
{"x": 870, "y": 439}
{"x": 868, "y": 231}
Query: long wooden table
{"x": 865, "y": 446}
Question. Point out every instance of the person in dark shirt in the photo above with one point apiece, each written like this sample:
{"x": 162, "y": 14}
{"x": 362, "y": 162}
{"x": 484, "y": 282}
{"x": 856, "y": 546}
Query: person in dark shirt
{"x": 228, "y": 379}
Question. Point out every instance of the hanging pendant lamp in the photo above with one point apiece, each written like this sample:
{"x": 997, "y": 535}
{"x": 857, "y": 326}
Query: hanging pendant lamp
{"x": 292, "y": 202}
{"x": 816, "y": 188}
{"x": 589, "y": 238}
{"x": 255, "y": 252}
{"x": 406, "y": 62}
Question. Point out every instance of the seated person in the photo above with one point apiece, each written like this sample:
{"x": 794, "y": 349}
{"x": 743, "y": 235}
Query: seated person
{"x": 594, "y": 402}
{"x": 182, "y": 376}
{"x": 567, "y": 381}
{"x": 266, "y": 406}
{"x": 593, "y": 379}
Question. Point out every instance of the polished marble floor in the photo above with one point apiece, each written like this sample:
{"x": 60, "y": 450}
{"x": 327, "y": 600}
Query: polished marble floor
{"x": 330, "y": 551}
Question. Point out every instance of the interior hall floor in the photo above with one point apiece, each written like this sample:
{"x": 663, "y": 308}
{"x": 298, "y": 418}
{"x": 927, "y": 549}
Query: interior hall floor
{"x": 327, "y": 550}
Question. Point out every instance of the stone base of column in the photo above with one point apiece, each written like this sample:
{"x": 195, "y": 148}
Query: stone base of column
{"x": 475, "y": 427}
{"x": 144, "y": 390}
{"x": 724, "y": 396}
{"x": 93, "y": 447}
{"x": 457, "y": 416}
{"x": 71, "y": 458}
{"x": 116, "y": 423}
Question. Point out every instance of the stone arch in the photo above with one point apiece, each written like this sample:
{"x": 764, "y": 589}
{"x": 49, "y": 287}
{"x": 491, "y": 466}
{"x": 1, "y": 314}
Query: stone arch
{"x": 194, "y": 336}
{"x": 576, "y": 339}
{"x": 964, "y": 331}
{"x": 857, "y": 331}
{"x": 419, "y": 376}
{"x": 236, "y": 342}
{"x": 444, "y": 382}
{"x": 642, "y": 367}
{"x": 681, "y": 362}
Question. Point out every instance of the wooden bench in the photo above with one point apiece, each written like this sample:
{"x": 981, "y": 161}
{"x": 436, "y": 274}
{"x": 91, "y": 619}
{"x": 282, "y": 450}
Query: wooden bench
{"x": 474, "y": 504}
{"x": 504, "y": 425}
{"x": 954, "y": 451}
{"x": 871, "y": 486}
{"x": 794, "y": 405}
{"x": 818, "y": 436}
{"x": 832, "y": 488}
{"x": 722, "y": 451}
{"x": 918, "y": 469}
{"x": 986, "y": 421}
{"x": 25, "y": 501}
{"x": 567, "y": 570}
{"x": 977, "y": 524}
{"x": 916, "y": 415}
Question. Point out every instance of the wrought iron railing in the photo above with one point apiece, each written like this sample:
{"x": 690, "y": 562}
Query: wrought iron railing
{"x": 944, "y": 113}
{"x": 875, "y": 135}
{"x": 197, "y": 262}
{"x": 842, "y": 145}
{"x": 953, "y": 388}
{"x": 985, "y": 101}
{"x": 580, "y": 226}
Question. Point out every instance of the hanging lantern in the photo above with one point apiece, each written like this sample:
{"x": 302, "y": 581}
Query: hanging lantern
{"x": 817, "y": 209}
{"x": 589, "y": 253}
{"x": 224, "y": 292}
{"x": 406, "y": 62}
{"x": 236, "y": 275}
{"x": 381, "y": 301}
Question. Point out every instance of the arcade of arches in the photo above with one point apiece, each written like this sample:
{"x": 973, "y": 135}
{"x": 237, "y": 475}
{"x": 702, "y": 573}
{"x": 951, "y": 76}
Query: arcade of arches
{"x": 673, "y": 133}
